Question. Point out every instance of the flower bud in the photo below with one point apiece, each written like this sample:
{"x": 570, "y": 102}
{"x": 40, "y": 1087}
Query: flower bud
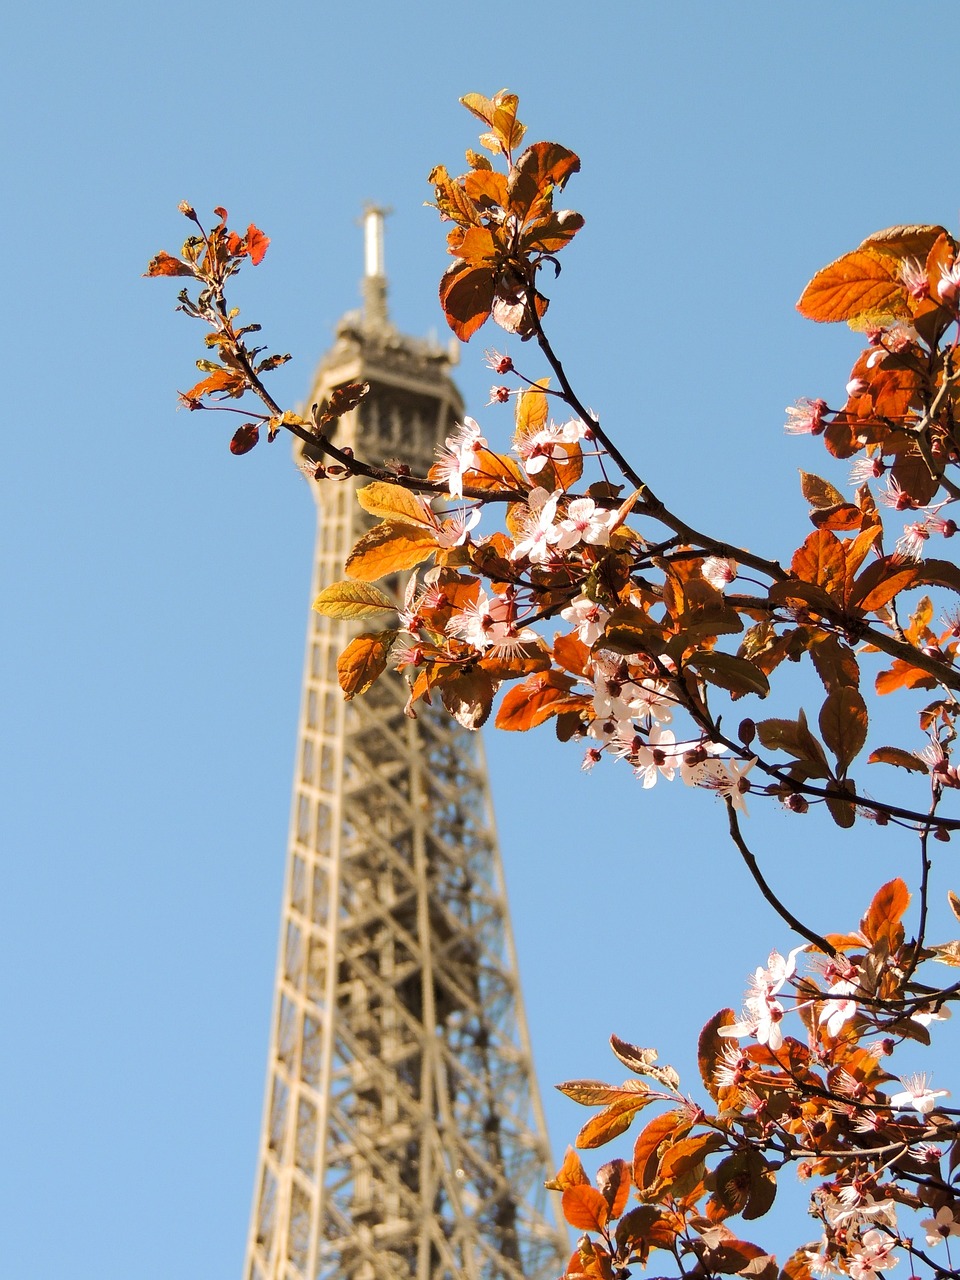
{"x": 747, "y": 731}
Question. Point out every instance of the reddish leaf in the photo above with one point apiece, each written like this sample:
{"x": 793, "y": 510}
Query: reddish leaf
{"x": 585, "y": 1208}
{"x": 164, "y": 265}
{"x": 466, "y": 295}
{"x": 821, "y": 561}
{"x": 613, "y": 1120}
{"x": 672, "y": 1124}
{"x": 256, "y": 244}
{"x": 882, "y": 920}
{"x": 537, "y": 699}
{"x": 570, "y": 1173}
{"x": 244, "y": 438}
{"x": 710, "y": 1050}
{"x": 881, "y": 581}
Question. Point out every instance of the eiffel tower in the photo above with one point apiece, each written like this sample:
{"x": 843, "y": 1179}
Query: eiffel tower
{"x": 402, "y": 1133}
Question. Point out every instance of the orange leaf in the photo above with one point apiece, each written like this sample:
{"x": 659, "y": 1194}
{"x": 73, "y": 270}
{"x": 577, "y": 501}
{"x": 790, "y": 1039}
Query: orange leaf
{"x": 594, "y": 1093}
{"x": 861, "y": 286}
{"x": 531, "y": 410}
{"x": 363, "y": 660}
{"x": 903, "y": 675}
{"x": 570, "y": 1173}
{"x": 821, "y": 561}
{"x": 880, "y": 582}
{"x": 905, "y": 241}
{"x": 466, "y": 295}
{"x": 536, "y": 700}
{"x": 256, "y": 243}
{"x": 164, "y": 265}
{"x": 585, "y": 1208}
{"x": 221, "y": 380}
{"x": 388, "y": 548}
{"x": 683, "y": 1156}
{"x": 882, "y": 920}
{"x": 672, "y": 1124}
{"x": 613, "y": 1120}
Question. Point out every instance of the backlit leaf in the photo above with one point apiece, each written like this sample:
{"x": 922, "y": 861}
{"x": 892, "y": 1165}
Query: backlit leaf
{"x": 594, "y": 1093}
{"x": 818, "y": 492}
{"x": 585, "y": 1208}
{"x": 466, "y": 295}
{"x": 737, "y": 675}
{"x": 256, "y": 243}
{"x": 352, "y": 600}
{"x": 710, "y": 1050}
{"x": 363, "y": 661}
{"x": 862, "y": 285}
{"x": 613, "y": 1182}
{"x": 612, "y": 1120}
{"x": 469, "y": 696}
{"x": 536, "y": 700}
{"x": 882, "y": 920}
{"x": 389, "y": 548}
{"x": 570, "y": 1174}
{"x": 896, "y": 756}
{"x": 905, "y": 241}
{"x": 244, "y": 438}
{"x": 393, "y": 502}
{"x": 165, "y": 265}
{"x": 671, "y": 1124}
{"x": 821, "y": 561}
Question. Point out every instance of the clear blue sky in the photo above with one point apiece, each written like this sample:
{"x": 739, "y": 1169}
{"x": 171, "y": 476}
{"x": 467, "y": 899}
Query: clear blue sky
{"x": 156, "y": 588}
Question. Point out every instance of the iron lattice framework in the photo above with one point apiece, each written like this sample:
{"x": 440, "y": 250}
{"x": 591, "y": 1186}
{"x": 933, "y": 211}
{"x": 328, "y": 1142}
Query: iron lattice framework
{"x": 402, "y": 1133}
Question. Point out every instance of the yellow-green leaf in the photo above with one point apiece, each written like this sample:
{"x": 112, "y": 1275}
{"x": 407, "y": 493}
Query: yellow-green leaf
{"x": 351, "y": 600}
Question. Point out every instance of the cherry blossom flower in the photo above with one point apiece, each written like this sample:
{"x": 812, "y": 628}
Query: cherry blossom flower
{"x": 806, "y": 418}
{"x": 839, "y": 1008}
{"x": 917, "y": 1094}
{"x": 874, "y": 1254}
{"x": 942, "y": 1226}
{"x": 458, "y": 454}
{"x": 893, "y": 496}
{"x": 949, "y": 283}
{"x": 499, "y": 395}
{"x": 719, "y": 571}
{"x": 539, "y": 533}
{"x": 728, "y": 778}
{"x": 656, "y": 756}
{"x": 546, "y": 445}
{"x": 498, "y": 361}
{"x": 588, "y": 617}
{"x": 585, "y": 522}
{"x": 454, "y": 531}
{"x": 914, "y": 277}
{"x": 865, "y": 469}
{"x": 591, "y": 758}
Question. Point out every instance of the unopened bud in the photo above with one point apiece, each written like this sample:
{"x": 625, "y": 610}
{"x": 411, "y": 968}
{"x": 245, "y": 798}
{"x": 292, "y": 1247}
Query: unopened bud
{"x": 942, "y": 834}
{"x": 796, "y": 803}
{"x": 888, "y": 1044}
{"x": 747, "y": 731}
{"x": 187, "y": 210}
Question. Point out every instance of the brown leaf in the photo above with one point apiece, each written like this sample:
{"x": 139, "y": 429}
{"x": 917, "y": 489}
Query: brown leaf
{"x": 256, "y": 244}
{"x": 536, "y": 700}
{"x": 819, "y": 493}
{"x": 671, "y": 1124}
{"x": 843, "y": 724}
{"x": 613, "y": 1182}
{"x": 351, "y": 600}
{"x": 710, "y": 1050}
{"x": 393, "y": 502}
{"x": 861, "y": 286}
{"x": 737, "y": 675}
{"x": 469, "y": 697}
{"x": 896, "y": 756}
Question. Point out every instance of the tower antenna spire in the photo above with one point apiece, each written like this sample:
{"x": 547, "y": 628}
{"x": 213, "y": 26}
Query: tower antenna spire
{"x": 375, "y": 315}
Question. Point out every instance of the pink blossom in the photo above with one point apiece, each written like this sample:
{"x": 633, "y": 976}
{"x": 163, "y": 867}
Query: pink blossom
{"x": 917, "y": 1094}
{"x": 458, "y": 454}
{"x": 454, "y": 531}
{"x": 949, "y": 282}
{"x": 914, "y": 277}
{"x": 498, "y": 361}
{"x": 728, "y": 778}
{"x": 657, "y": 755}
{"x": 588, "y": 617}
{"x": 546, "y": 445}
{"x": 942, "y": 1226}
{"x": 499, "y": 395}
{"x": 865, "y": 469}
{"x": 874, "y": 1254}
{"x": 719, "y": 571}
{"x": 806, "y": 418}
{"x": 893, "y": 496}
{"x": 839, "y": 1008}
{"x": 585, "y": 522}
{"x": 539, "y": 532}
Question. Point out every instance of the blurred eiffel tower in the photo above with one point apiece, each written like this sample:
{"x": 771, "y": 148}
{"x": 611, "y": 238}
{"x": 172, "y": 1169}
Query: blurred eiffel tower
{"x": 402, "y": 1131}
